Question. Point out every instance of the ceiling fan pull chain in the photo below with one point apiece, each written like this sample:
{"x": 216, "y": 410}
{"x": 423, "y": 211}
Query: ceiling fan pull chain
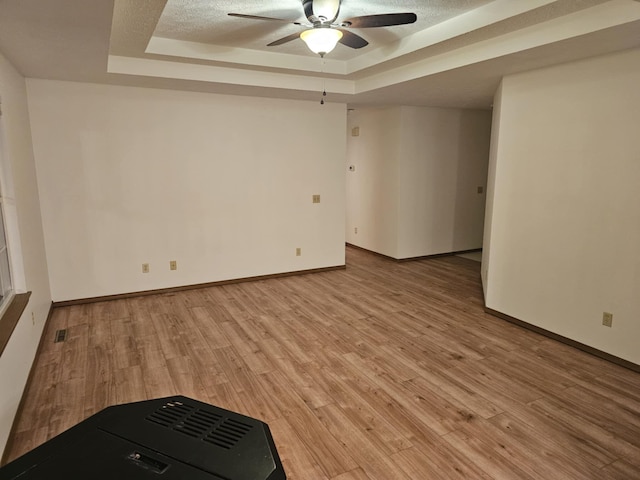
{"x": 324, "y": 89}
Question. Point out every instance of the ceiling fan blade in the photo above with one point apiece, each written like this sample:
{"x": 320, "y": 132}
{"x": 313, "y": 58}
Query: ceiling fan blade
{"x": 286, "y": 39}
{"x": 258, "y": 17}
{"x": 352, "y": 40}
{"x": 382, "y": 20}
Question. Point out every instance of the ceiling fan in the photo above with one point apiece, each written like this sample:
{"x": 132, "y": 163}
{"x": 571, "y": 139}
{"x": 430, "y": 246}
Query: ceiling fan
{"x": 324, "y": 31}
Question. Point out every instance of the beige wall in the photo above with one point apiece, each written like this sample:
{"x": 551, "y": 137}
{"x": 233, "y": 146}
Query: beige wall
{"x": 415, "y": 188}
{"x": 221, "y": 184}
{"x": 565, "y": 218}
{"x": 26, "y": 242}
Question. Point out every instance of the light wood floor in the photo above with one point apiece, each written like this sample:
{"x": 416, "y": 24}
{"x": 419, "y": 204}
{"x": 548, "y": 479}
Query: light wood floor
{"x": 381, "y": 371}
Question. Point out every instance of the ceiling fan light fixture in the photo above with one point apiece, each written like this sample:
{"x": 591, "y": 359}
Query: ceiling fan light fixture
{"x": 321, "y": 40}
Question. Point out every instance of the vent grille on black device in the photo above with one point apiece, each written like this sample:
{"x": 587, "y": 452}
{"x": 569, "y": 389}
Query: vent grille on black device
{"x": 204, "y": 425}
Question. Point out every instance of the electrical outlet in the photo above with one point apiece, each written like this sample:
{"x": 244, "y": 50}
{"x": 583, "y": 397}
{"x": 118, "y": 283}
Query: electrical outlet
{"x": 173, "y": 265}
{"x": 298, "y": 252}
{"x": 607, "y": 319}
{"x": 355, "y": 230}
{"x": 33, "y": 318}
{"x": 145, "y": 268}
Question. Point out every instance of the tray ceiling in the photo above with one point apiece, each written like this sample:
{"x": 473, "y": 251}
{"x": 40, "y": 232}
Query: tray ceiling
{"x": 453, "y": 55}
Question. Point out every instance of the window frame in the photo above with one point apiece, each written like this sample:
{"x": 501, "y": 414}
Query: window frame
{"x": 15, "y": 300}
{"x": 7, "y": 294}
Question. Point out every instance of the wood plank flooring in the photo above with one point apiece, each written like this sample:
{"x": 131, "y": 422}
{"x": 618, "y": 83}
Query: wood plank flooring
{"x": 381, "y": 371}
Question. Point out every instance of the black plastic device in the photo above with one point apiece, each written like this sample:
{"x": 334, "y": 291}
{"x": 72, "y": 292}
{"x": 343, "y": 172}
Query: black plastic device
{"x": 164, "y": 439}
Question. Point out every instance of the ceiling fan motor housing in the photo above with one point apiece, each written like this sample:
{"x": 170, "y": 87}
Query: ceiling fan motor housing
{"x": 320, "y": 12}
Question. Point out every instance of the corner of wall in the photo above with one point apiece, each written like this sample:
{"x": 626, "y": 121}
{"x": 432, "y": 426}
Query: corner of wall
{"x": 490, "y": 191}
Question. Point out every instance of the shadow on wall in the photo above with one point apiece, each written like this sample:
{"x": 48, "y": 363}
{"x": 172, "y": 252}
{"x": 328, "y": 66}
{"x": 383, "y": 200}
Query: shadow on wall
{"x": 474, "y": 138}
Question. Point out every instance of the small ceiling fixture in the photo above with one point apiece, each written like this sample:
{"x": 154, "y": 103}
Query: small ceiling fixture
{"x": 321, "y": 40}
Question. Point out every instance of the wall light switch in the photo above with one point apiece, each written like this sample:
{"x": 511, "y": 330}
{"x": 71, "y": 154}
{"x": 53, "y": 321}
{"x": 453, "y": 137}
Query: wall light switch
{"x": 607, "y": 319}
{"x": 298, "y": 252}
{"x": 145, "y": 268}
{"x": 173, "y": 265}
{"x": 355, "y": 132}
{"x": 316, "y": 199}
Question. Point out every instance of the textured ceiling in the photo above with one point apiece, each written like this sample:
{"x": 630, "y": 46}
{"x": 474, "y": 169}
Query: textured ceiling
{"x": 207, "y": 22}
{"x": 453, "y": 55}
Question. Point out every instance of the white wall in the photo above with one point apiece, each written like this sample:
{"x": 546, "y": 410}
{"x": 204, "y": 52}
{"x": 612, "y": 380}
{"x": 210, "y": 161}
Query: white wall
{"x": 25, "y": 241}
{"x": 417, "y": 176}
{"x": 444, "y": 155}
{"x": 372, "y": 191}
{"x": 221, "y": 184}
{"x": 565, "y": 229}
